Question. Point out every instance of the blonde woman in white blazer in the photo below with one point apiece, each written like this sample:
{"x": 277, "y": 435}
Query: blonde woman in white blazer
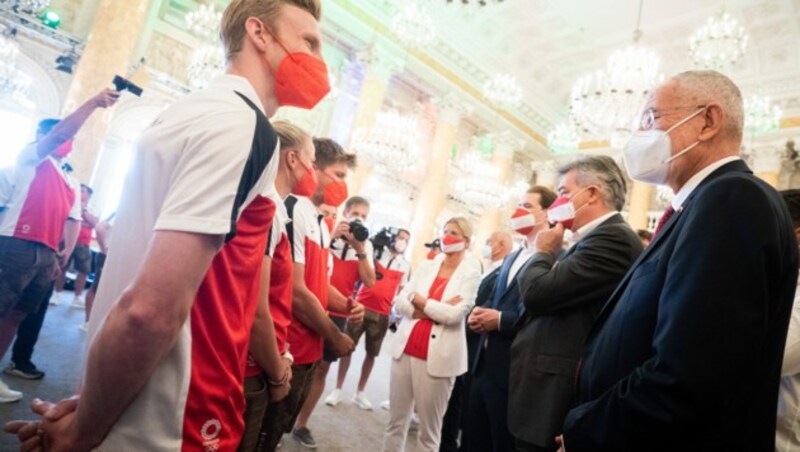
{"x": 430, "y": 348}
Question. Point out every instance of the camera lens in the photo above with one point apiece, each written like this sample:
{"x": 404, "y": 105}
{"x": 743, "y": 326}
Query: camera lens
{"x": 359, "y": 231}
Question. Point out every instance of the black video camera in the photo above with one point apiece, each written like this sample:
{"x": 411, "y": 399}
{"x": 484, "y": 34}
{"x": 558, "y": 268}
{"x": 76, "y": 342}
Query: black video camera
{"x": 359, "y": 231}
{"x": 384, "y": 238}
{"x": 122, "y": 84}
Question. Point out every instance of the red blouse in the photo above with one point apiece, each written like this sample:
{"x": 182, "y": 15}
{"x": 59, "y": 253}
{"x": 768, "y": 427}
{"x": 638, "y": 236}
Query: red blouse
{"x": 418, "y": 340}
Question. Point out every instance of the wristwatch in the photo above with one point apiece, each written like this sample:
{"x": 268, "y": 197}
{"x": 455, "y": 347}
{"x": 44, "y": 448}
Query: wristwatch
{"x": 361, "y": 256}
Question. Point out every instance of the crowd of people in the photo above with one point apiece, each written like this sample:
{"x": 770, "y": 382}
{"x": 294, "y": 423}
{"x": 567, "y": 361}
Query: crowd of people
{"x": 234, "y": 284}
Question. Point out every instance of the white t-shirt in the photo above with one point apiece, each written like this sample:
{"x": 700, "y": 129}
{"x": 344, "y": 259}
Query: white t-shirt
{"x": 196, "y": 169}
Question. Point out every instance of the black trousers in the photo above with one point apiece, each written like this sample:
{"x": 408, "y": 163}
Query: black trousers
{"x": 28, "y": 332}
{"x": 487, "y": 418}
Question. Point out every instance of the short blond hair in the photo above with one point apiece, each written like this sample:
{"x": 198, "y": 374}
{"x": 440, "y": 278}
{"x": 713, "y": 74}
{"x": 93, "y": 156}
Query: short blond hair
{"x": 232, "y": 28}
{"x": 463, "y": 225}
{"x": 291, "y": 136}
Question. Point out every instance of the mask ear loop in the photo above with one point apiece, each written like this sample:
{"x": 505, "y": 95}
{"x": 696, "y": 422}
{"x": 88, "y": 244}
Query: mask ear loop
{"x": 280, "y": 43}
{"x": 679, "y": 123}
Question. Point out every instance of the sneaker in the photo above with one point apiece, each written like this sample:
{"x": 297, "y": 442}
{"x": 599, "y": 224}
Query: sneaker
{"x": 303, "y": 436}
{"x": 362, "y": 401}
{"x": 55, "y": 299}
{"x": 24, "y": 370}
{"x": 8, "y": 395}
{"x": 334, "y": 398}
{"x": 385, "y": 405}
{"x": 78, "y": 303}
{"x": 84, "y": 327}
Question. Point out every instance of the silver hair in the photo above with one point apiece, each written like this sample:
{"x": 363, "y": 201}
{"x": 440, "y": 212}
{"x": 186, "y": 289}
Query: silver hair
{"x": 704, "y": 87}
{"x": 602, "y": 171}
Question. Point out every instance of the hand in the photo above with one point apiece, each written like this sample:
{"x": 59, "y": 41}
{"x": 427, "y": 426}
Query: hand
{"x": 560, "y": 443}
{"x": 278, "y": 393}
{"x": 356, "y": 312}
{"x": 63, "y": 260}
{"x": 342, "y": 345}
{"x": 27, "y": 433}
{"x": 419, "y": 315}
{"x": 550, "y": 240}
{"x": 288, "y": 365}
{"x": 486, "y": 319}
{"x": 419, "y": 301}
{"x": 473, "y": 322}
{"x": 106, "y": 98}
{"x": 455, "y": 300}
{"x": 59, "y": 428}
{"x": 340, "y": 230}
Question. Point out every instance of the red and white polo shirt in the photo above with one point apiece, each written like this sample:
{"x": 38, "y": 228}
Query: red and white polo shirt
{"x": 345, "y": 275}
{"x": 395, "y": 271}
{"x": 206, "y": 165}
{"x": 42, "y": 197}
{"x": 310, "y": 242}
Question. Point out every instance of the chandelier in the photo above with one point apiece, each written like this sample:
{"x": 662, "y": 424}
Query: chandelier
{"x": 563, "y": 139}
{"x": 391, "y": 144}
{"x": 503, "y": 91}
{"x": 477, "y": 183}
{"x": 207, "y": 62}
{"x": 720, "y": 42}
{"x": 413, "y": 26}
{"x": 760, "y": 116}
{"x": 204, "y": 22}
{"x": 13, "y": 82}
{"x": 28, "y": 6}
{"x": 474, "y": 2}
{"x": 610, "y": 100}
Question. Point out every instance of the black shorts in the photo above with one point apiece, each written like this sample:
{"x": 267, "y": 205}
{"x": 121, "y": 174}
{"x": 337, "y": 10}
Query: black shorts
{"x": 27, "y": 272}
{"x": 327, "y": 354}
{"x": 99, "y": 263}
{"x": 81, "y": 259}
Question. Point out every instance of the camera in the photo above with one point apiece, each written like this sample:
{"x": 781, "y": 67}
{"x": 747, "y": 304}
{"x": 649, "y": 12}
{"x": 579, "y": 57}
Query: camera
{"x": 122, "y": 84}
{"x": 384, "y": 238}
{"x": 359, "y": 231}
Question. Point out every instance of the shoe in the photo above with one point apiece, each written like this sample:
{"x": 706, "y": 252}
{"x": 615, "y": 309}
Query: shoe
{"x": 78, "y": 303}
{"x": 24, "y": 370}
{"x": 84, "y": 327}
{"x": 8, "y": 395}
{"x": 362, "y": 401}
{"x": 385, "y": 405}
{"x": 55, "y": 299}
{"x": 303, "y": 436}
{"x": 334, "y": 398}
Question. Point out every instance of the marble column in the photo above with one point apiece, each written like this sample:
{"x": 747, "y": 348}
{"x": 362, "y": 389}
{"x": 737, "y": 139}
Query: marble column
{"x": 546, "y": 173}
{"x": 380, "y": 67}
{"x": 640, "y": 197}
{"x": 433, "y": 191}
{"x": 113, "y": 40}
{"x": 767, "y": 161}
{"x": 506, "y": 144}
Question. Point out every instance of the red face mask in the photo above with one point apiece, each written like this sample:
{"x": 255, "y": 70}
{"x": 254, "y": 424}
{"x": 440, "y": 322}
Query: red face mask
{"x": 523, "y": 221}
{"x": 335, "y": 193}
{"x": 330, "y": 223}
{"x": 64, "y": 150}
{"x": 562, "y": 211}
{"x": 308, "y": 184}
{"x": 452, "y": 244}
{"x": 301, "y": 79}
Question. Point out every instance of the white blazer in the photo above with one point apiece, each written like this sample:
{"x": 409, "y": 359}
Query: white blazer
{"x": 447, "y": 348}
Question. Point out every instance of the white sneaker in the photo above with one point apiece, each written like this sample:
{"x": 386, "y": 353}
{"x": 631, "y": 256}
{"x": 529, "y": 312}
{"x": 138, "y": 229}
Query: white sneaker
{"x": 362, "y": 401}
{"x": 55, "y": 299}
{"x": 385, "y": 405}
{"x": 78, "y": 302}
{"x": 8, "y": 395}
{"x": 334, "y": 398}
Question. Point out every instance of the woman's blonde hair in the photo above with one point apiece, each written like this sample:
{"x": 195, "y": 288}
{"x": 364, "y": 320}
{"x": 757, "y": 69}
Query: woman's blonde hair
{"x": 463, "y": 225}
{"x": 291, "y": 136}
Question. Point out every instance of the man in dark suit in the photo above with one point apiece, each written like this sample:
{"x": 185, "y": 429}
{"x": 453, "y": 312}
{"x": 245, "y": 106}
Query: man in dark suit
{"x": 501, "y": 243}
{"x": 562, "y": 297}
{"x": 494, "y": 325}
{"x": 686, "y": 354}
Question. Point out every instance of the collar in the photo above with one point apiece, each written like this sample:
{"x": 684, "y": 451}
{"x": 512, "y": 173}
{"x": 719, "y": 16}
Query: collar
{"x": 494, "y": 266}
{"x": 694, "y": 181}
{"x": 237, "y": 83}
{"x": 587, "y": 228}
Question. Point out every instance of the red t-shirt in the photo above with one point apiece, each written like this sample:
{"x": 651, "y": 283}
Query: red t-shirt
{"x": 379, "y": 297}
{"x": 85, "y": 236}
{"x": 420, "y": 337}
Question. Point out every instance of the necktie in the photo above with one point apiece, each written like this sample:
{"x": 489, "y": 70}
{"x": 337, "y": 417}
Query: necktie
{"x": 663, "y": 220}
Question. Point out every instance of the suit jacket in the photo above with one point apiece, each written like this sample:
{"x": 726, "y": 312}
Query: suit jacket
{"x": 561, "y": 302}
{"x": 493, "y": 354}
{"x": 484, "y": 299}
{"x": 686, "y": 354}
{"x": 447, "y": 349}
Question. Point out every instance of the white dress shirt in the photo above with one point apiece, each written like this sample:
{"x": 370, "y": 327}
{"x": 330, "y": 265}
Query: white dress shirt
{"x": 587, "y": 228}
{"x": 695, "y": 180}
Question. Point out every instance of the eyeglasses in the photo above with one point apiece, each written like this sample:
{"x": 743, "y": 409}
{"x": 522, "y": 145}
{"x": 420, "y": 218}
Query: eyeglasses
{"x": 649, "y": 116}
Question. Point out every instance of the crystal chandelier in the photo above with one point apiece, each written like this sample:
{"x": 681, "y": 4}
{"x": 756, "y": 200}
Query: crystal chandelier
{"x": 13, "y": 82}
{"x": 503, "y": 91}
{"x": 720, "y": 42}
{"x": 760, "y": 116}
{"x": 30, "y": 6}
{"x": 477, "y": 183}
{"x": 204, "y": 22}
{"x": 413, "y": 26}
{"x": 391, "y": 144}
{"x": 610, "y": 100}
{"x": 207, "y": 62}
{"x": 563, "y": 139}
